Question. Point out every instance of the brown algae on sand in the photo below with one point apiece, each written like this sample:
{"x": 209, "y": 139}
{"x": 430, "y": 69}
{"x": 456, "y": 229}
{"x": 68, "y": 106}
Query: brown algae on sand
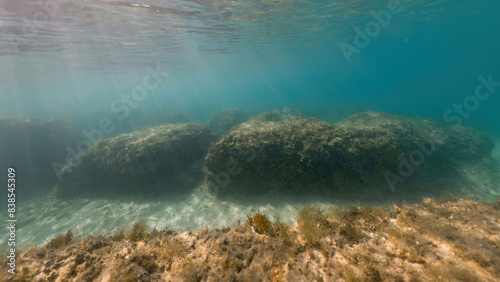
{"x": 451, "y": 240}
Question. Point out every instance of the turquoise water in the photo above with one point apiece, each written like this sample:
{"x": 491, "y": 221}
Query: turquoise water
{"x": 252, "y": 54}
{"x": 80, "y": 60}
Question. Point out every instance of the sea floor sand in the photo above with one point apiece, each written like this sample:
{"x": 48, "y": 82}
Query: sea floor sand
{"x": 451, "y": 240}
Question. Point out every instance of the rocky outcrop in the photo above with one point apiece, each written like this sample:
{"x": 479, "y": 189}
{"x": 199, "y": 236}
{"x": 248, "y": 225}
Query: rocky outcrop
{"x": 221, "y": 122}
{"x": 160, "y": 158}
{"x": 302, "y": 155}
{"x": 453, "y": 143}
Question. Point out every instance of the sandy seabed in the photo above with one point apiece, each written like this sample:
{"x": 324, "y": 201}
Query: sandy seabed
{"x": 452, "y": 239}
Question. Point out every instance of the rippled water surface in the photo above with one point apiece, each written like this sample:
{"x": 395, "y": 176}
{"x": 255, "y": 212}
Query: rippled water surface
{"x": 123, "y": 34}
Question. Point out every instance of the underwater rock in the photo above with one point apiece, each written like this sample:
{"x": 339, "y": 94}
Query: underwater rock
{"x": 454, "y": 143}
{"x": 31, "y": 145}
{"x": 260, "y": 156}
{"x": 222, "y": 121}
{"x": 161, "y": 158}
{"x": 299, "y": 155}
{"x": 149, "y": 117}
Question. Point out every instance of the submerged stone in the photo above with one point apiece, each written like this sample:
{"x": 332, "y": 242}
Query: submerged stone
{"x": 455, "y": 143}
{"x": 222, "y": 121}
{"x": 302, "y": 155}
{"x": 162, "y": 158}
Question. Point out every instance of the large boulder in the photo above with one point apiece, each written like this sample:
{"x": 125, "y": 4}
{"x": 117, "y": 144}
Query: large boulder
{"x": 453, "y": 143}
{"x": 222, "y": 121}
{"x": 298, "y": 155}
{"x": 161, "y": 158}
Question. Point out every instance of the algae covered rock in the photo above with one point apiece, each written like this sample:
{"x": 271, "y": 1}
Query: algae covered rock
{"x": 30, "y": 145}
{"x": 294, "y": 156}
{"x": 161, "y": 158}
{"x": 455, "y": 143}
{"x": 300, "y": 155}
{"x": 222, "y": 121}
{"x": 147, "y": 117}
